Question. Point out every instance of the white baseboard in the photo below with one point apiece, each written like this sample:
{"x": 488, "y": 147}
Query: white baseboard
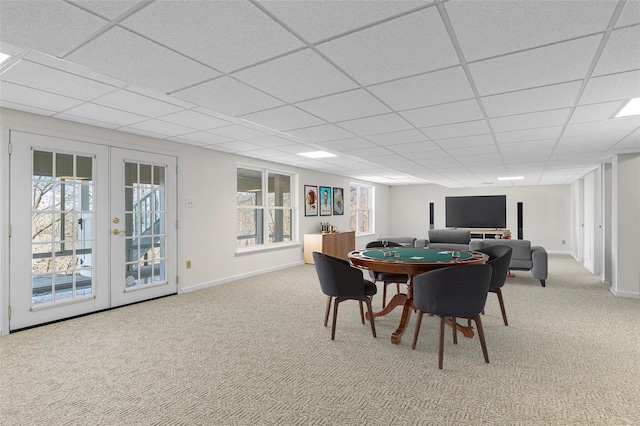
{"x": 559, "y": 252}
{"x": 627, "y": 294}
{"x": 208, "y": 284}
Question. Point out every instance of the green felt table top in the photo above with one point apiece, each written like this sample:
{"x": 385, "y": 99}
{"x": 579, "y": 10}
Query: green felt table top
{"x": 415, "y": 254}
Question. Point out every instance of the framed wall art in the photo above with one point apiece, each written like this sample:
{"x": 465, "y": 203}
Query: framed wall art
{"x": 310, "y": 200}
{"x": 338, "y": 201}
{"x": 326, "y": 207}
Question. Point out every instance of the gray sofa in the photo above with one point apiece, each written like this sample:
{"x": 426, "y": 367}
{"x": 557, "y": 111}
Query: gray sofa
{"x": 405, "y": 241}
{"x": 524, "y": 257}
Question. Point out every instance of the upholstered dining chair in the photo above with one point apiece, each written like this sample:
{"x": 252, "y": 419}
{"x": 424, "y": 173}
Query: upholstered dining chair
{"x": 385, "y": 277}
{"x": 499, "y": 258}
{"x": 340, "y": 281}
{"x": 452, "y": 292}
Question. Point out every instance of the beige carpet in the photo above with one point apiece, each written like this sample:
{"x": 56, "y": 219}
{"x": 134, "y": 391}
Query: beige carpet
{"x": 255, "y": 352}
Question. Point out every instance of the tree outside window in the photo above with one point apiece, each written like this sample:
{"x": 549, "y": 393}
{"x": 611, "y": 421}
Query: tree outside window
{"x": 361, "y": 212}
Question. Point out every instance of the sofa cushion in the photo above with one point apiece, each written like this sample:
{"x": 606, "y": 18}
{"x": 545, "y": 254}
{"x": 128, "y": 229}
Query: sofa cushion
{"x": 521, "y": 248}
{"x": 449, "y": 246}
{"x": 455, "y": 236}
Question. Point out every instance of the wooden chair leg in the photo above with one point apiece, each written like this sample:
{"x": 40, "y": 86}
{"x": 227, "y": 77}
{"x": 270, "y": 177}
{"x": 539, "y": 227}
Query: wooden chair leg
{"x": 441, "y": 343}
{"x": 361, "y": 312}
{"x": 482, "y": 341}
{"x": 326, "y": 311}
{"x": 454, "y": 327}
{"x": 417, "y": 331}
{"x": 397, "y": 287}
{"x": 371, "y": 320}
{"x": 501, "y": 302}
{"x": 335, "y": 317}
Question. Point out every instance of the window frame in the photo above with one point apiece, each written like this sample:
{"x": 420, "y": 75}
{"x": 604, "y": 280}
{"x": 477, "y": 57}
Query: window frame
{"x": 264, "y": 208}
{"x": 357, "y": 210}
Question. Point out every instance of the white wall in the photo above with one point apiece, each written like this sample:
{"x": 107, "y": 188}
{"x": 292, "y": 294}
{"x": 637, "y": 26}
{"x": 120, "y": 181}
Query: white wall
{"x": 546, "y": 211}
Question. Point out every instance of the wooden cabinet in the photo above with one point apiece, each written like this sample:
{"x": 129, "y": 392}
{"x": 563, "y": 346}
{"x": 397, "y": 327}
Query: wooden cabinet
{"x": 485, "y": 233}
{"x": 336, "y": 244}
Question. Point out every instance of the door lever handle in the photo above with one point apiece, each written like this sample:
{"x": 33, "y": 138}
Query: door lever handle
{"x": 118, "y": 232}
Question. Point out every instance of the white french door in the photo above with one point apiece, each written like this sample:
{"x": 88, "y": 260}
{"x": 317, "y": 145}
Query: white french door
{"x": 65, "y": 197}
{"x": 143, "y": 226}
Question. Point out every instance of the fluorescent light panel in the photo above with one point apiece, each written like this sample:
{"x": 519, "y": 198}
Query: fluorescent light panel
{"x": 631, "y": 108}
{"x": 317, "y": 154}
{"x": 511, "y": 178}
{"x": 3, "y": 57}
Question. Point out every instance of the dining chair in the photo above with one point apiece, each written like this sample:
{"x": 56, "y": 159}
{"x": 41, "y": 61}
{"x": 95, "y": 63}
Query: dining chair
{"x": 340, "y": 281}
{"x": 385, "y": 277}
{"x": 499, "y": 258}
{"x": 450, "y": 293}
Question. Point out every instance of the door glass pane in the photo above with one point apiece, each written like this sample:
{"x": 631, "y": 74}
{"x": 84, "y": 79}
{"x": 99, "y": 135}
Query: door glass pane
{"x": 62, "y": 227}
{"x": 144, "y": 222}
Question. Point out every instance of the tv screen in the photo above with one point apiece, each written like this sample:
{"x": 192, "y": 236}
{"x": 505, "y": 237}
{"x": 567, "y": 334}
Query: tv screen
{"x": 482, "y": 211}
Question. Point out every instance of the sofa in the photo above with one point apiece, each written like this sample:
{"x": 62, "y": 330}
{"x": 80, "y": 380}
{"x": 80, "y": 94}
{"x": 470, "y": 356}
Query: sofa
{"x": 524, "y": 257}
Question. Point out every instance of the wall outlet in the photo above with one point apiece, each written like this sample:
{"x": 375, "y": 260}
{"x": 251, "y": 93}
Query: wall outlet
{"x": 188, "y": 203}
{"x": 188, "y": 264}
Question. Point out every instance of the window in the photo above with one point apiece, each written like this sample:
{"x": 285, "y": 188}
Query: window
{"x": 264, "y": 220}
{"x": 362, "y": 202}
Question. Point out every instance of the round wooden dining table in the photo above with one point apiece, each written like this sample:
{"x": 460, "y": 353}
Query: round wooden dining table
{"x": 411, "y": 261}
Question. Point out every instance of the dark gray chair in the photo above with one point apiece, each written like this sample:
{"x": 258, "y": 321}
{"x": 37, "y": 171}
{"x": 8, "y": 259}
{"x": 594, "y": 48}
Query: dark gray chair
{"x": 386, "y": 277}
{"x": 452, "y": 292}
{"x": 340, "y": 281}
{"x": 499, "y": 258}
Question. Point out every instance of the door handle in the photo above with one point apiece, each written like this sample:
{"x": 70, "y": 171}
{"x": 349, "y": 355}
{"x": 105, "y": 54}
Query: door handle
{"x": 118, "y": 232}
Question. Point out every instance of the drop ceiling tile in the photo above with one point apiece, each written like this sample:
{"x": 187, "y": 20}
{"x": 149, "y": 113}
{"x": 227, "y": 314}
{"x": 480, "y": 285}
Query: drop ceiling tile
{"x": 538, "y": 67}
{"x": 623, "y": 125}
{"x": 401, "y": 47}
{"x": 455, "y": 112}
{"x": 35, "y": 98}
{"x": 25, "y": 108}
{"x": 284, "y": 118}
{"x": 345, "y": 106}
{"x": 46, "y": 26}
{"x": 433, "y": 158}
{"x": 595, "y": 112}
{"x": 108, "y": 9}
{"x": 612, "y": 88}
{"x": 517, "y": 148}
{"x": 228, "y": 96}
{"x": 326, "y": 132}
{"x": 262, "y": 153}
{"x": 530, "y": 121}
{"x": 319, "y": 20}
{"x": 124, "y": 55}
{"x": 126, "y": 100}
{"x": 523, "y": 24}
{"x": 195, "y": 120}
{"x": 347, "y": 144}
{"x": 236, "y": 146}
{"x": 394, "y": 138}
{"x": 527, "y": 135}
{"x": 203, "y": 138}
{"x": 296, "y": 77}
{"x": 368, "y": 153}
{"x": 630, "y": 14}
{"x": 26, "y": 73}
{"x": 467, "y": 142}
{"x": 468, "y": 128}
{"x": 409, "y": 148}
{"x": 424, "y": 90}
{"x": 163, "y": 97}
{"x": 374, "y": 125}
{"x": 621, "y": 52}
{"x": 162, "y": 127}
{"x": 238, "y": 132}
{"x": 88, "y": 121}
{"x": 224, "y": 34}
{"x": 531, "y": 100}
{"x": 105, "y": 114}
{"x": 271, "y": 141}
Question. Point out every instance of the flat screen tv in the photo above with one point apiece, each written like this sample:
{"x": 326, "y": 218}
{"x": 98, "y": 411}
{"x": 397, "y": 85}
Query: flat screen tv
{"x": 482, "y": 211}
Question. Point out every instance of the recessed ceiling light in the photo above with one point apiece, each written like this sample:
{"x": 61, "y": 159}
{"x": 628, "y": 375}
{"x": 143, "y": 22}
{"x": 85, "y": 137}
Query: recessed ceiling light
{"x": 631, "y": 108}
{"x": 317, "y": 154}
{"x": 3, "y": 57}
{"x": 511, "y": 178}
